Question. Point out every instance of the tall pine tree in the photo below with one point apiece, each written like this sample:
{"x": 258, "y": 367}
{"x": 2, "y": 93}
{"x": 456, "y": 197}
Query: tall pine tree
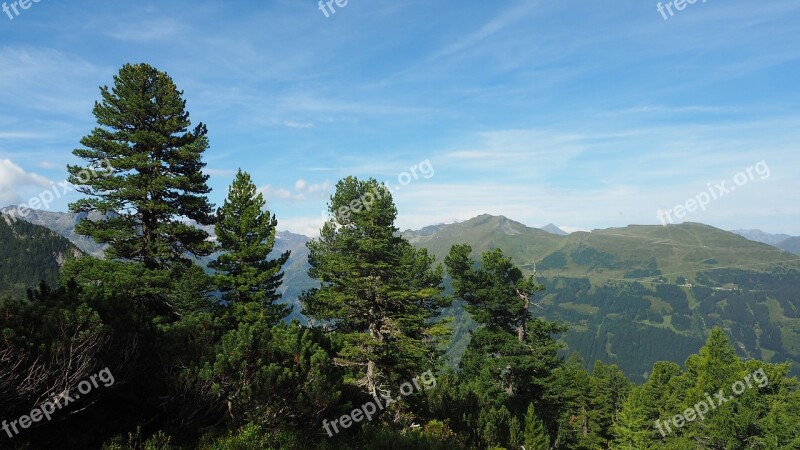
{"x": 143, "y": 171}
{"x": 377, "y": 290}
{"x": 248, "y": 279}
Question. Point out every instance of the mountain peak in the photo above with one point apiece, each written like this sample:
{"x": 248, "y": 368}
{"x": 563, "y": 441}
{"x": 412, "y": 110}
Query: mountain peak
{"x": 553, "y": 229}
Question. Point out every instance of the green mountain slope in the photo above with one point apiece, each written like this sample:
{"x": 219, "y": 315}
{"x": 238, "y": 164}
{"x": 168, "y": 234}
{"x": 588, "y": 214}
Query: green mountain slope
{"x": 485, "y": 232}
{"x": 30, "y": 254}
{"x": 636, "y": 295}
{"x": 639, "y": 251}
{"x": 61, "y": 223}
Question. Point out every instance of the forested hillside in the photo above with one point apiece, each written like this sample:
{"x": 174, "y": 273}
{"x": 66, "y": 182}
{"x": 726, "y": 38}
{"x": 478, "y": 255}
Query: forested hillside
{"x": 30, "y": 254}
{"x": 637, "y": 295}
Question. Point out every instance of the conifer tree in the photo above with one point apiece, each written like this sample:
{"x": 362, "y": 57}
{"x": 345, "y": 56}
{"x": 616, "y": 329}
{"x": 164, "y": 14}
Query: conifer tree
{"x": 143, "y": 171}
{"x": 377, "y": 290}
{"x": 512, "y": 352}
{"x": 248, "y": 279}
{"x": 536, "y": 437}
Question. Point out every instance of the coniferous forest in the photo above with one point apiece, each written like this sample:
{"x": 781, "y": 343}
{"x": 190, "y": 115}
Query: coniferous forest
{"x": 145, "y": 348}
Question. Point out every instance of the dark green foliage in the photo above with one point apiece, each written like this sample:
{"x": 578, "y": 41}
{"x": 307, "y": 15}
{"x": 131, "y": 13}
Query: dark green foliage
{"x": 272, "y": 375}
{"x": 50, "y": 341}
{"x": 747, "y": 419}
{"x": 247, "y": 278}
{"x": 377, "y": 290}
{"x": 650, "y": 271}
{"x": 511, "y": 357}
{"x": 143, "y": 171}
{"x": 593, "y": 258}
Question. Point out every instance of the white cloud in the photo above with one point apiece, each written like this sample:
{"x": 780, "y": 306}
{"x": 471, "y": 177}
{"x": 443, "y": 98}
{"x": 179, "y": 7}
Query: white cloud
{"x": 297, "y": 125}
{"x": 150, "y": 30}
{"x": 13, "y": 179}
{"x": 322, "y": 188}
{"x": 302, "y": 191}
{"x": 275, "y": 193}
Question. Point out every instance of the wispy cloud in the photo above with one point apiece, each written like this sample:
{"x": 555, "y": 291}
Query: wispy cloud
{"x": 148, "y": 30}
{"x": 13, "y": 180}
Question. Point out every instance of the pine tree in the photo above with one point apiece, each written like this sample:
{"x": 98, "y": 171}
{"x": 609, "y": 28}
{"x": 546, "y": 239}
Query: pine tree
{"x": 634, "y": 427}
{"x": 609, "y": 388}
{"x": 381, "y": 293}
{"x": 573, "y": 391}
{"x": 247, "y": 278}
{"x": 512, "y": 352}
{"x": 536, "y": 437}
{"x": 144, "y": 173}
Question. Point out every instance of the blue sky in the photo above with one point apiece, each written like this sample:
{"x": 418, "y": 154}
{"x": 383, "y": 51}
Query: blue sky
{"x": 584, "y": 114}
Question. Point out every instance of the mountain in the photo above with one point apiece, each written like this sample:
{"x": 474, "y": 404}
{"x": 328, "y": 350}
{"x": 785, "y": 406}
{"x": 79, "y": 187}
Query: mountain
{"x": 295, "y": 271}
{"x": 486, "y": 232}
{"x": 30, "y": 254}
{"x": 784, "y": 242}
{"x": 791, "y": 245}
{"x": 61, "y": 223}
{"x": 635, "y": 295}
{"x": 761, "y": 236}
{"x": 551, "y": 228}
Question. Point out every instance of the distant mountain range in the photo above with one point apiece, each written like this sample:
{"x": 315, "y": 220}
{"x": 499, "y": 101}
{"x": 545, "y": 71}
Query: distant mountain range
{"x": 784, "y": 242}
{"x": 61, "y": 223}
{"x": 791, "y": 245}
{"x": 631, "y": 296}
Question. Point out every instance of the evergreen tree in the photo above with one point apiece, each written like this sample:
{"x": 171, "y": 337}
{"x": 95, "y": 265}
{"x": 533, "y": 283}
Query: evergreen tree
{"x": 142, "y": 170}
{"x": 377, "y": 290}
{"x": 633, "y": 429}
{"x": 248, "y": 279}
{"x": 515, "y": 435}
{"x": 144, "y": 173}
{"x": 512, "y": 353}
{"x": 536, "y": 437}
{"x": 609, "y": 389}
{"x": 573, "y": 391}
